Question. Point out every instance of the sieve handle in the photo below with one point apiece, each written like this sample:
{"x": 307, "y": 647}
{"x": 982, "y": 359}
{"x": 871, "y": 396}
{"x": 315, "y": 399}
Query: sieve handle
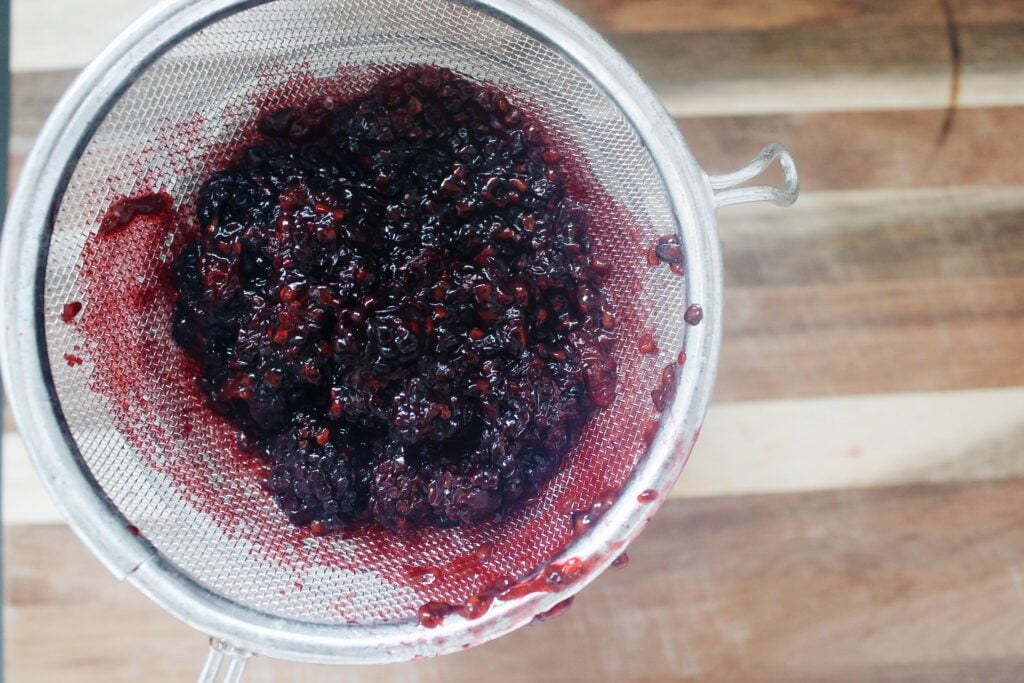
{"x": 724, "y": 185}
{"x": 224, "y": 663}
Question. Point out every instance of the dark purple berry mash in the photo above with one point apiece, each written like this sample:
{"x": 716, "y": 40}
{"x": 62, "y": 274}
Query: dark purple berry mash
{"x": 394, "y": 299}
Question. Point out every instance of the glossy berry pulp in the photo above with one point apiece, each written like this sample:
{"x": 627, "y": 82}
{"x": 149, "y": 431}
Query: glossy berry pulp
{"x": 394, "y": 298}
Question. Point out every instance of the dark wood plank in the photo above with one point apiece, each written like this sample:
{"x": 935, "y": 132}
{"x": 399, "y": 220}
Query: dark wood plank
{"x": 828, "y": 68}
{"x": 850, "y": 237}
{"x": 873, "y": 149}
{"x": 921, "y": 584}
{"x": 789, "y": 273}
{"x": 867, "y": 338}
{"x": 33, "y": 96}
{"x": 836, "y": 150}
{"x": 867, "y": 292}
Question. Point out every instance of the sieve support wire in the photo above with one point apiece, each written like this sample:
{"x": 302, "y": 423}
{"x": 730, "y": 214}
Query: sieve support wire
{"x": 725, "y": 186}
{"x": 224, "y": 663}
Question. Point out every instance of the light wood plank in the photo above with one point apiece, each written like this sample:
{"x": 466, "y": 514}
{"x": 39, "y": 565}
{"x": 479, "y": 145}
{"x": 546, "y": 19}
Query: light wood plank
{"x": 847, "y": 442}
{"x": 60, "y": 34}
{"x": 24, "y": 499}
{"x": 33, "y": 96}
{"x": 754, "y": 447}
{"x": 861, "y": 338}
{"x": 913, "y": 585}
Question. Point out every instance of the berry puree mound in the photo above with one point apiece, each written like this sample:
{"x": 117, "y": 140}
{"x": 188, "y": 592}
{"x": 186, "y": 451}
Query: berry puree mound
{"x": 395, "y": 299}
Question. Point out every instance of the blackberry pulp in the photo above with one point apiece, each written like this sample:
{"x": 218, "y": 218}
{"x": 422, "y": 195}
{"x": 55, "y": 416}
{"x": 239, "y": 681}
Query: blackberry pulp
{"x": 394, "y": 298}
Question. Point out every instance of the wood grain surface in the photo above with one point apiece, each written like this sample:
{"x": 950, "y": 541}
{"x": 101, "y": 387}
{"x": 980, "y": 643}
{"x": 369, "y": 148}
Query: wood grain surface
{"x": 924, "y": 583}
{"x": 673, "y": 16}
{"x": 852, "y": 511}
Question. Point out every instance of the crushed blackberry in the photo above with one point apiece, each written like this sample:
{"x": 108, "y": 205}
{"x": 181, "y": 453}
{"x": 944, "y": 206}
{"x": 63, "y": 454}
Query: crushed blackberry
{"x": 121, "y": 214}
{"x": 647, "y": 344}
{"x": 557, "y": 610}
{"x": 647, "y": 496}
{"x": 395, "y": 299}
{"x": 667, "y": 249}
{"x": 664, "y": 391}
{"x": 70, "y": 311}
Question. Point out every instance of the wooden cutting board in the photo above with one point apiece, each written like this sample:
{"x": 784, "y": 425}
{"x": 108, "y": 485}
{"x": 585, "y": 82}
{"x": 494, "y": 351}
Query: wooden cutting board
{"x": 850, "y": 512}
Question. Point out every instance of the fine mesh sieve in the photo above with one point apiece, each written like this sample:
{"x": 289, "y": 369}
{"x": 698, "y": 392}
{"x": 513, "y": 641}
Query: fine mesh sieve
{"x": 151, "y": 479}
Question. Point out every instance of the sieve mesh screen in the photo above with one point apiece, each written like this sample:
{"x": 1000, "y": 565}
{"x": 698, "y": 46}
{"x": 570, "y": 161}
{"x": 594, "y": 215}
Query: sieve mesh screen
{"x": 171, "y": 466}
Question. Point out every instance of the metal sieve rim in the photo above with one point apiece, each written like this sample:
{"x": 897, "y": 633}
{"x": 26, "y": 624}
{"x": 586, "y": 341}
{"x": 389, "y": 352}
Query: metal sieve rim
{"x": 102, "y": 527}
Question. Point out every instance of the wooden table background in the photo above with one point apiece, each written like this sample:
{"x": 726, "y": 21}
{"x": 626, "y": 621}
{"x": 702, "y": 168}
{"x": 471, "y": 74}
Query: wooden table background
{"x": 854, "y": 510}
